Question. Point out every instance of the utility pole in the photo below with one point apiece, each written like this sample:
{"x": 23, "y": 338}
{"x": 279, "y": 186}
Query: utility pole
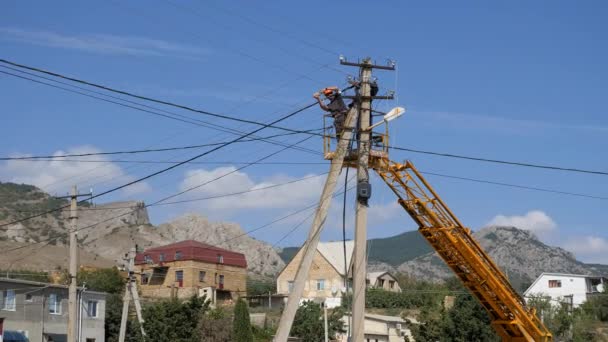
{"x": 310, "y": 246}
{"x": 130, "y": 294}
{"x": 73, "y": 267}
{"x": 363, "y": 195}
{"x": 364, "y": 192}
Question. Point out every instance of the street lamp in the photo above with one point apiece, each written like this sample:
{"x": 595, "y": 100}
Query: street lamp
{"x": 391, "y": 115}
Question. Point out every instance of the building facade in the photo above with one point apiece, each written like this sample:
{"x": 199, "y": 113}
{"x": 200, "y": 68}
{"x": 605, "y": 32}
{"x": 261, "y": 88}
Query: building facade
{"x": 325, "y": 281}
{"x": 381, "y": 328}
{"x": 40, "y": 311}
{"x": 188, "y": 268}
{"x": 573, "y": 289}
{"x": 383, "y": 280}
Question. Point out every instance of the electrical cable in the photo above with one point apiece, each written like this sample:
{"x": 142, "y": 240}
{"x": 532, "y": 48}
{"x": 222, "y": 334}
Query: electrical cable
{"x": 150, "y": 110}
{"x": 223, "y": 116}
{"x": 165, "y": 149}
{"x": 172, "y": 166}
{"x": 141, "y": 97}
{"x": 549, "y": 167}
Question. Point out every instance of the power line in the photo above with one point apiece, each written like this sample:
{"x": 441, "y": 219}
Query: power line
{"x": 146, "y": 98}
{"x": 172, "y": 166}
{"x": 515, "y": 186}
{"x": 151, "y": 110}
{"x": 223, "y": 116}
{"x": 165, "y": 149}
{"x": 204, "y": 198}
{"x": 549, "y": 167}
{"x": 133, "y": 161}
{"x": 232, "y": 238}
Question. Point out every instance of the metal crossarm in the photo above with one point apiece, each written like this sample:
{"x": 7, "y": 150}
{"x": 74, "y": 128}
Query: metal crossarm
{"x": 456, "y": 246}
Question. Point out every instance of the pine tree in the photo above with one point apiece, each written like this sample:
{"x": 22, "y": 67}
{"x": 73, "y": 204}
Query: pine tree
{"x": 242, "y": 324}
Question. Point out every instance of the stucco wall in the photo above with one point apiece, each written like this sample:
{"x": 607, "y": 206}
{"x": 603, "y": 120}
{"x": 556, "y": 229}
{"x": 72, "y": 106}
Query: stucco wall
{"x": 320, "y": 269}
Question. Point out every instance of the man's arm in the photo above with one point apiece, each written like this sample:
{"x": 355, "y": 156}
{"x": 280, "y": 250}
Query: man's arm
{"x": 321, "y": 104}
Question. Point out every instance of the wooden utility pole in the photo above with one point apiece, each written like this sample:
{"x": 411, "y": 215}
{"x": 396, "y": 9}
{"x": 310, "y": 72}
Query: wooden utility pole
{"x": 310, "y": 247}
{"x": 130, "y": 294}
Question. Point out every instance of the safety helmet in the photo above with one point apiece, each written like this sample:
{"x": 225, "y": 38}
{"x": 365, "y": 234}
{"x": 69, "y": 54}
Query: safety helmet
{"x": 328, "y": 91}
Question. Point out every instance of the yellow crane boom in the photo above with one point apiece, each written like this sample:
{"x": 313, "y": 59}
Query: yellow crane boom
{"x": 455, "y": 244}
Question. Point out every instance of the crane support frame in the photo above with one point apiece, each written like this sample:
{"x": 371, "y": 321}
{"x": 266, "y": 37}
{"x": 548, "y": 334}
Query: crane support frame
{"x": 455, "y": 244}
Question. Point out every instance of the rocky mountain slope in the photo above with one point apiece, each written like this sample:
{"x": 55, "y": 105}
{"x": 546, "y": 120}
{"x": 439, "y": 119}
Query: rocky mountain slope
{"x": 107, "y": 231}
{"x": 518, "y": 252}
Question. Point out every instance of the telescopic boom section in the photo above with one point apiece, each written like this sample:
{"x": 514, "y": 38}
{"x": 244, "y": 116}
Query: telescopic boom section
{"x": 455, "y": 244}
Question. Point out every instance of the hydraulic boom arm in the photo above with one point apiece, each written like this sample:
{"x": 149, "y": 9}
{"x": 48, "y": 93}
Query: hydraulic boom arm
{"x": 455, "y": 244}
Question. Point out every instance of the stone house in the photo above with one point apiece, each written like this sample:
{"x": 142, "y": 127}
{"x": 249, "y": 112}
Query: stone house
{"x": 189, "y": 268}
{"x": 40, "y": 311}
{"x": 325, "y": 281}
{"x": 383, "y": 280}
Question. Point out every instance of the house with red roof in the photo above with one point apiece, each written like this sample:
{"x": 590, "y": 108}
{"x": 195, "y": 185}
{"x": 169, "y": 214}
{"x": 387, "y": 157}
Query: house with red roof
{"x": 187, "y": 268}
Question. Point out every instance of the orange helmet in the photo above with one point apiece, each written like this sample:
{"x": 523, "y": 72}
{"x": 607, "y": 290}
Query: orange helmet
{"x": 328, "y": 91}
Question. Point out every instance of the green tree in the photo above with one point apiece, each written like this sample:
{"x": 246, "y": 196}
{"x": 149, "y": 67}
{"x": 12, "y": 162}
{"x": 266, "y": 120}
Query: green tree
{"x": 242, "y": 323}
{"x": 174, "y": 320}
{"x": 216, "y": 326}
{"x": 104, "y": 280}
{"x": 467, "y": 321}
{"x": 308, "y": 322}
{"x": 38, "y": 276}
{"x": 429, "y": 329}
{"x": 260, "y": 286}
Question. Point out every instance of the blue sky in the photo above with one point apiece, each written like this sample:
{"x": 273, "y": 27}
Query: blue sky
{"x": 520, "y": 81}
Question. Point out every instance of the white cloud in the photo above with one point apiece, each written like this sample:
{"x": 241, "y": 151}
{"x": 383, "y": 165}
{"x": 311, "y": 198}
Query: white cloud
{"x": 535, "y": 221}
{"x": 102, "y": 43}
{"x": 294, "y": 195}
{"x": 57, "y": 176}
{"x": 589, "y": 248}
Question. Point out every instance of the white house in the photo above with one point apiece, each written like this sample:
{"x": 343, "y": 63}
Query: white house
{"x": 567, "y": 288}
{"x": 380, "y": 328}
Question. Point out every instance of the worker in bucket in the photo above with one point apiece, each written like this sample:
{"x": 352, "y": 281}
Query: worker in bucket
{"x": 336, "y": 107}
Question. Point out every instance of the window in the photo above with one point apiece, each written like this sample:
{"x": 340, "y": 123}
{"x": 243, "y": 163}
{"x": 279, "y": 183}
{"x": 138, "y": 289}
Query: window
{"x": 8, "y": 300}
{"x": 145, "y": 278}
{"x": 380, "y": 282}
{"x": 391, "y": 284}
{"x": 179, "y": 278}
{"x": 290, "y": 286}
{"x": 555, "y": 283}
{"x": 320, "y": 284}
{"x": 147, "y": 259}
{"x": 201, "y": 276}
{"x": 161, "y": 257}
{"x": 92, "y": 308}
{"x": 220, "y": 259}
{"x": 29, "y": 297}
{"x": 221, "y": 284}
{"x": 54, "y": 304}
{"x": 178, "y": 255}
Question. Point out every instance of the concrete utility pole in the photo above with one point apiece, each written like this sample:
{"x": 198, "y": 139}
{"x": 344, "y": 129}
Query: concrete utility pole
{"x": 363, "y": 194}
{"x": 130, "y": 294}
{"x": 362, "y": 109}
{"x": 73, "y": 268}
{"x": 310, "y": 246}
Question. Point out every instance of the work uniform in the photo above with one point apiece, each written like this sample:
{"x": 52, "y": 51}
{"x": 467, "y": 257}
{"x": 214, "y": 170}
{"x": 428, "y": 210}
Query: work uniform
{"x": 338, "y": 111}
